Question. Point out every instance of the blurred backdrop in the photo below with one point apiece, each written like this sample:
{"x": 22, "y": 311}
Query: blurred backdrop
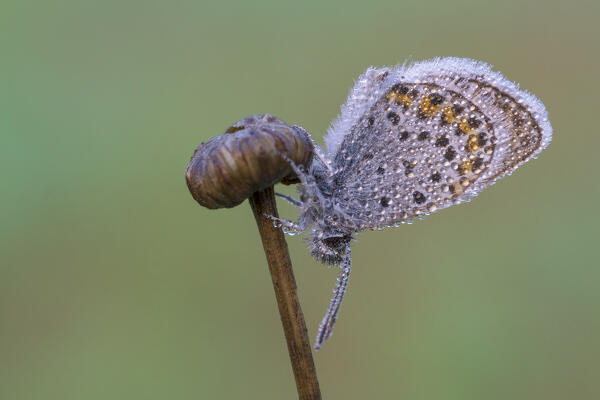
{"x": 115, "y": 284}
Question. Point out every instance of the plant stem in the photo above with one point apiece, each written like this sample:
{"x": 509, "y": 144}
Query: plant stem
{"x": 292, "y": 318}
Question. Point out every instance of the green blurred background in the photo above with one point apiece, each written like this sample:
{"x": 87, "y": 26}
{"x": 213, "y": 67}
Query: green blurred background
{"x": 115, "y": 284}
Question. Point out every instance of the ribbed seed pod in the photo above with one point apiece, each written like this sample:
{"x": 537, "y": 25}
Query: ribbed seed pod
{"x": 227, "y": 169}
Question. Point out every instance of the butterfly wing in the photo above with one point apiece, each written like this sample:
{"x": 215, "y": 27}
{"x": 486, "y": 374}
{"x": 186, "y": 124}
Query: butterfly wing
{"x": 415, "y": 139}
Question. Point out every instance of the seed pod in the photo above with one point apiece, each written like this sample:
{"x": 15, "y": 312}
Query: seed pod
{"x": 248, "y": 157}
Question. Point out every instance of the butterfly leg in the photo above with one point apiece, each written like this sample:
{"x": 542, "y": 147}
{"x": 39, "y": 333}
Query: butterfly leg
{"x": 289, "y": 199}
{"x": 328, "y": 322}
{"x": 305, "y": 179}
{"x": 287, "y": 226}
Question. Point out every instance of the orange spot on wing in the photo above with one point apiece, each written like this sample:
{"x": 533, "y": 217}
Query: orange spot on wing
{"x": 448, "y": 115}
{"x": 465, "y": 167}
{"x": 400, "y": 99}
{"x": 427, "y": 108}
{"x": 464, "y": 126}
{"x": 472, "y": 143}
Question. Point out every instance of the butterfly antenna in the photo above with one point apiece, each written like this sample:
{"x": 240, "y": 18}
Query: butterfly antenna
{"x": 289, "y": 199}
{"x": 328, "y": 322}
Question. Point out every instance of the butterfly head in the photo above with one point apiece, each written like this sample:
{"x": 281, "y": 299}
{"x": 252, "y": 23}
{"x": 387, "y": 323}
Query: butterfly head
{"x": 329, "y": 248}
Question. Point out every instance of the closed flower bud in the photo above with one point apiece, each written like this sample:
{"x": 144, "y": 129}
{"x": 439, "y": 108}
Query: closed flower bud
{"x": 251, "y": 155}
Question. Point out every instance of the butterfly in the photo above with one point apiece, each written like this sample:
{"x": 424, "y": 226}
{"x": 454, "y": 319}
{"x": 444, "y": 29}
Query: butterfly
{"x": 411, "y": 140}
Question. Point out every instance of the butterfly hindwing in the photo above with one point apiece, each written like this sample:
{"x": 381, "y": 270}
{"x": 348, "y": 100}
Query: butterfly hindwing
{"x": 415, "y": 139}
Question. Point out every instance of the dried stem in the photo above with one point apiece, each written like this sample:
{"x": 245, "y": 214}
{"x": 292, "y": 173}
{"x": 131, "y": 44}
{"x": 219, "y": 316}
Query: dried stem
{"x": 292, "y": 318}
